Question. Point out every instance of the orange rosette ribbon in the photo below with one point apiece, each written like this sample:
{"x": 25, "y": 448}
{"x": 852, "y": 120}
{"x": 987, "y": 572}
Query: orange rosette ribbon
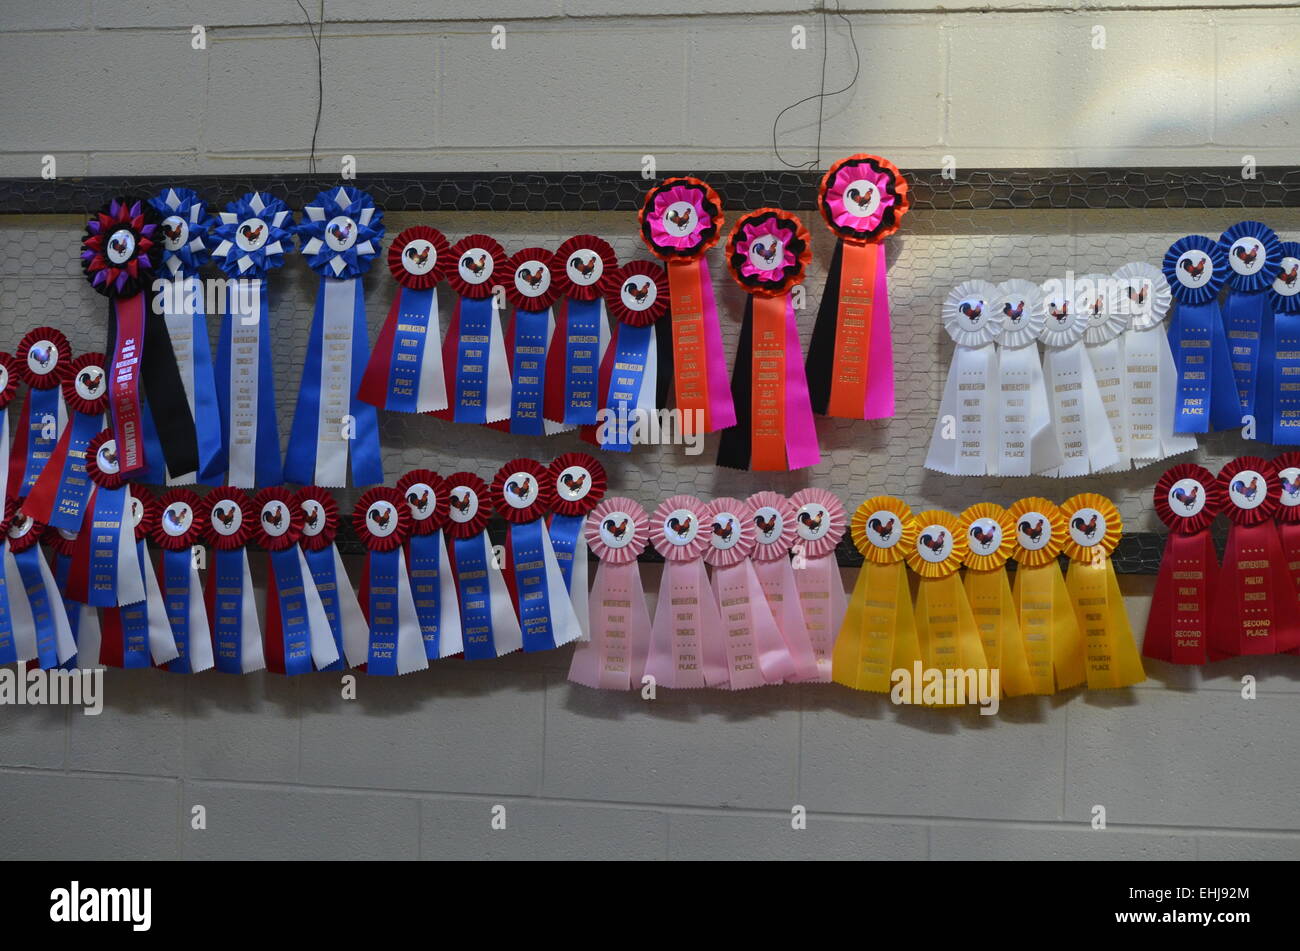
{"x": 990, "y": 535}
{"x": 1053, "y": 644}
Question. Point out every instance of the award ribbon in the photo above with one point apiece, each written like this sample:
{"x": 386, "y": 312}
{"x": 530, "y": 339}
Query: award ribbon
{"x": 578, "y": 485}
{"x": 105, "y": 568}
{"x": 1103, "y": 339}
{"x": 487, "y": 618}
{"x": 1054, "y": 645}
{"x": 1255, "y": 609}
{"x": 988, "y": 531}
{"x": 382, "y": 521}
{"x": 43, "y": 360}
{"x": 405, "y": 372}
{"x": 1026, "y": 440}
{"x": 614, "y": 657}
{"x": 755, "y": 652}
{"x": 229, "y": 521}
{"x": 37, "y": 617}
{"x": 83, "y": 620}
{"x": 340, "y": 233}
{"x": 850, "y": 365}
{"x": 1277, "y": 395}
{"x": 1195, "y": 268}
{"x": 1187, "y": 498}
{"x": 774, "y": 521}
{"x": 427, "y": 564}
{"x": 1254, "y": 257}
{"x": 532, "y": 289}
{"x": 1287, "y": 468}
{"x": 522, "y": 494}
{"x": 474, "y": 352}
{"x": 9, "y": 376}
{"x": 298, "y": 635}
{"x": 684, "y": 649}
{"x": 178, "y": 530}
{"x": 1094, "y": 529}
{"x": 581, "y": 266}
{"x": 15, "y": 645}
{"x": 681, "y": 218}
{"x": 139, "y": 634}
{"x": 637, "y": 296}
{"x": 819, "y": 524}
{"x": 251, "y": 236}
{"x": 58, "y": 496}
{"x": 768, "y": 251}
{"x": 879, "y": 633}
{"x": 184, "y": 232}
{"x": 964, "y": 429}
{"x": 320, "y": 522}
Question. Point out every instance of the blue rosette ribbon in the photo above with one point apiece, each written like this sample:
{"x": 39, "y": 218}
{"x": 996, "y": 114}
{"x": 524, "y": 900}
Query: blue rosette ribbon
{"x": 1195, "y": 268}
{"x": 1277, "y": 404}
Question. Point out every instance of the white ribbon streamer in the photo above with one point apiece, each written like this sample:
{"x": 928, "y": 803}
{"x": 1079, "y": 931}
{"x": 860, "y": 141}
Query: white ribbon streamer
{"x": 965, "y": 426}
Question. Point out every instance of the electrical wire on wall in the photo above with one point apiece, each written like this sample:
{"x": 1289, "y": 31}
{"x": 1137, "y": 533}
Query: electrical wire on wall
{"x": 823, "y": 95}
{"x": 317, "y": 31}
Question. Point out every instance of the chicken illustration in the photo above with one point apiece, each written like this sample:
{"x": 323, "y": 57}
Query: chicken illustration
{"x": 1288, "y": 277}
{"x": 273, "y": 516}
{"x": 1246, "y": 257}
{"x": 973, "y": 312}
{"x": 417, "y": 257}
{"x": 18, "y": 525}
{"x": 171, "y": 232}
{"x": 616, "y": 529}
{"x": 639, "y": 294}
{"x": 586, "y": 269}
{"x": 1246, "y": 491}
{"x": 985, "y": 538}
{"x": 811, "y": 523}
{"x": 1137, "y": 295}
{"x": 225, "y": 516}
{"x": 724, "y": 529}
{"x": 474, "y": 267}
{"x": 174, "y": 515}
{"x": 679, "y": 526}
{"x": 519, "y": 488}
{"x": 90, "y": 378}
{"x": 574, "y": 483}
{"x": 1032, "y": 532}
{"x": 882, "y": 529}
{"x": 119, "y": 244}
{"x": 1014, "y": 313}
{"x": 934, "y": 542}
{"x": 765, "y": 525}
{"x": 1096, "y": 306}
{"x": 311, "y": 516}
{"x": 768, "y": 253}
{"x": 380, "y": 517}
{"x": 1061, "y": 312}
{"x": 1193, "y": 270}
{"x": 532, "y": 278}
{"x": 681, "y": 219}
{"x": 460, "y": 502}
{"x": 1085, "y": 528}
{"x": 418, "y": 501}
{"x": 1290, "y": 486}
{"x": 109, "y": 455}
{"x": 43, "y": 353}
{"x": 860, "y": 198}
{"x": 340, "y": 231}
{"x": 249, "y": 233}
{"x": 1187, "y": 499}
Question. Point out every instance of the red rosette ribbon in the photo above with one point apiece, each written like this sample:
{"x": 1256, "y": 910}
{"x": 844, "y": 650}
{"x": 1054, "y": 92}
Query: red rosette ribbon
{"x": 729, "y": 526}
{"x": 1187, "y": 498}
{"x": 229, "y": 518}
{"x": 578, "y": 483}
{"x": 477, "y": 264}
{"x": 1286, "y": 468}
{"x": 85, "y": 389}
{"x": 820, "y": 521}
{"x": 102, "y": 462}
{"x": 21, "y": 530}
{"x": 181, "y": 520}
{"x": 521, "y": 491}
{"x": 426, "y": 495}
{"x": 381, "y": 519}
{"x": 320, "y": 517}
{"x": 44, "y": 358}
{"x": 677, "y": 529}
{"x": 618, "y": 530}
{"x": 62, "y": 543}
{"x": 774, "y": 526}
{"x": 8, "y": 378}
{"x": 1255, "y": 609}
{"x": 583, "y": 264}
{"x": 142, "y": 510}
{"x": 419, "y": 257}
{"x": 531, "y": 279}
{"x": 279, "y": 518}
{"x": 469, "y": 505}
{"x": 636, "y": 294}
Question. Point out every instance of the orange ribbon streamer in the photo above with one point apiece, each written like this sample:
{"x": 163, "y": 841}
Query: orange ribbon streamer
{"x": 853, "y": 330}
{"x": 767, "y": 388}
{"x": 690, "y": 374}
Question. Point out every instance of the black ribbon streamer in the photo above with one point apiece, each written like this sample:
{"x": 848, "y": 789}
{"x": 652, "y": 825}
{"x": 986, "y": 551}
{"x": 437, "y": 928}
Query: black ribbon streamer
{"x": 820, "y": 364}
{"x": 736, "y": 442}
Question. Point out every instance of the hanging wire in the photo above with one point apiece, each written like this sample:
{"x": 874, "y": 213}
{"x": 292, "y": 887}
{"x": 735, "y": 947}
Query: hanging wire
{"x": 317, "y": 30}
{"x": 823, "y": 95}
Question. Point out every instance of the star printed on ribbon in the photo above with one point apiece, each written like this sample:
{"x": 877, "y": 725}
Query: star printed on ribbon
{"x": 184, "y": 231}
{"x": 341, "y": 232}
{"x": 252, "y": 235}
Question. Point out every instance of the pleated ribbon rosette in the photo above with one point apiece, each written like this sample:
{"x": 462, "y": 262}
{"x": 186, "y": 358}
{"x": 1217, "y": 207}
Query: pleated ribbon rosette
{"x": 1195, "y": 268}
{"x": 348, "y": 627}
{"x": 522, "y": 494}
{"x": 43, "y": 361}
{"x": 532, "y": 289}
{"x": 178, "y": 529}
{"x": 582, "y": 267}
{"x": 681, "y": 218}
{"x": 428, "y": 564}
{"x": 768, "y": 252}
{"x": 755, "y": 652}
{"x": 879, "y": 633}
{"x": 405, "y": 372}
{"x": 38, "y": 624}
{"x": 229, "y": 520}
{"x": 819, "y": 523}
{"x": 1054, "y": 645}
{"x": 1254, "y": 257}
{"x": 1277, "y": 403}
{"x": 1026, "y": 440}
{"x": 989, "y": 531}
{"x": 1093, "y": 530}
{"x": 614, "y": 656}
{"x": 633, "y": 378}
{"x": 59, "y": 495}
{"x": 488, "y": 622}
{"x": 9, "y": 377}
{"x": 850, "y": 366}
{"x": 774, "y": 521}
{"x": 105, "y": 568}
{"x": 382, "y": 520}
{"x": 967, "y": 422}
{"x": 577, "y": 485}
{"x": 1287, "y": 468}
{"x": 474, "y": 350}
{"x": 685, "y": 650}
{"x": 1255, "y": 608}
{"x": 1103, "y": 339}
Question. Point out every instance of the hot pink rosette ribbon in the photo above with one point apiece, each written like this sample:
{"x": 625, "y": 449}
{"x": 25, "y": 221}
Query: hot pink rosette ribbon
{"x": 774, "y": 534}
{"x": 752, "y": 643}
{"x": 819, "y": 524}
{"x": 617, "y": 530}
{"x": 681, "y": 654}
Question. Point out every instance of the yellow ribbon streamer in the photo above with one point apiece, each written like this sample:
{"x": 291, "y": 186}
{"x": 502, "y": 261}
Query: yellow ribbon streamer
{"x": 1054, "y": 648}
{"x": 989, "y": 532}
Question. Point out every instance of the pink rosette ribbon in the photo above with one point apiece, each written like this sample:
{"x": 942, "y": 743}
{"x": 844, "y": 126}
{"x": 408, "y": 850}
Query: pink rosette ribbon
{"x": 774, "y": 534}
{"x": 751, "y": 641}
{"x": 614, "y": 658}
{"x": 819, "y": 524}
{"x": 681, "y": 655}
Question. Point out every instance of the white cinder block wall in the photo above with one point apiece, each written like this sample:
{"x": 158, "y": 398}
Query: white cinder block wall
{"x": 1183, "y": 765}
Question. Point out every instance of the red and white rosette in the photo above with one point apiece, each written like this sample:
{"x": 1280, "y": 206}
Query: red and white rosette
{"x": 426, "y": 496}
{"x": 42, "y": 361}
{"x": 177, "y": 528}
{"x": 320, "y": 517}
{"x": 230, "y": 521}
{"x": 683, "y": 652}
{"x": 476, "y": 369}
{"x": 749, "y": 637}
{"x": 1187, "y": 498}
{"x": 382, "y": 522}
{"x": 582, "y": 265}
{"x": 405, "y": 373}
{"x": 105, "y": 570}
{"x": 320, "y": 525}
{"x": 578, "y": 484}
{"x": 38, "y": 622}
{"x": 614, "y": 655}
{"x": 774, "y": 534}
{"x": 522, "y": 493}
{"x": 429, "y": 564}
{"x": 819, "y": 523}
{"x": 487, "y": 618}
{"x": 1287, "y": 469}
{"x": 1255, "y": 609}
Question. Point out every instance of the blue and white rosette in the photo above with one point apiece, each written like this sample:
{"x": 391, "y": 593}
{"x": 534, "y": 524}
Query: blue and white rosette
{"x": 1277, "y": 404}
{"x": 1253, "y": 253}
{"x": 251, "y": 237}
{"x": 1195, "y": 268}
{"x": 340, "y": 234}
{"x": 229, "y": 521}
{"x": 185, "y": 234}
{"x": 37, "y": 619}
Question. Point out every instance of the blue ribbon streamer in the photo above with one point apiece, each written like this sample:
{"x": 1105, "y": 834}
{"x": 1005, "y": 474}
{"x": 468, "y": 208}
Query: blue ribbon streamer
{"x": 475, "y": 597}
{"x": 426, "y": 589}
{"x": 625, "y": 381}
{"x": 582, "y": 362}
{"x": 135, "y": 626}
{"x": 565, "y": 531}
{"x": 62, "y": 568}
{"x": 1243, "y": 320}
{"x": 381, "y": 653}
{"x": 528, "y": 555}
{"x": 69, "y": 509}
{"x": 176, "y": 583}
{"x": 1207, "y": 393}
{"x": 473, "y": 352}
{"x": 228, "y": 610}
{"x": 405, "y": 362}
{"x": 155, "y": 470}
{"x": 106, "y": 526}
{"x": 47, "y": 640}
{"x": 1279, "y": 399}
{"x": 8, "y": 649}
{"x": 44, "y": 404}
{"x": 268, "y": 468}
{"x": 321, "y": 565}
{"x": 294, "y": 628}
{"x": 207, "y": 412}
{"x": 527, "y": 389}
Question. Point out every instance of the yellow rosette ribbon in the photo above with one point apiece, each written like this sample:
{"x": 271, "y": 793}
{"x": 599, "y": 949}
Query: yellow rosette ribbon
{"x": 945, "y": 626}
{"x": 990, "y": 535}
{"x": 1093, "y": 529}
{"x": 878, "y": 635}
{"x": 1053, "y": 642}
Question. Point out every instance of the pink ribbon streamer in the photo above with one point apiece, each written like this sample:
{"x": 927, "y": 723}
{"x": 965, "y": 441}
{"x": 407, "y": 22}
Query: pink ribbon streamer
{"x": 821, "y": 595}
{"x": 880, "y": 353}
{"x": 615, "y": 656}
{"x": 755, "y": 651}
{"x": 777, "y": 579}
{"x": 680, "y": 655}
{"x": 722, "y": 411}
{"x": 801, "y": 448}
